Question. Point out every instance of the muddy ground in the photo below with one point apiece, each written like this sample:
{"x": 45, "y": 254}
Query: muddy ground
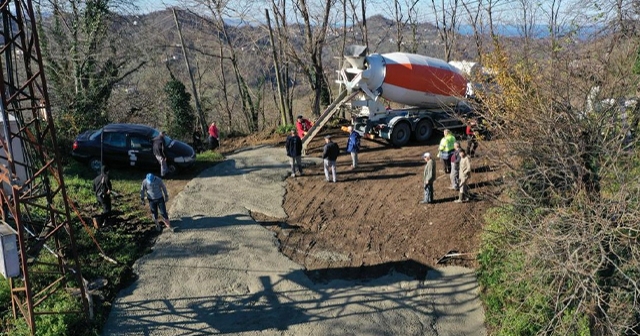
{"x": 372, "y": 215}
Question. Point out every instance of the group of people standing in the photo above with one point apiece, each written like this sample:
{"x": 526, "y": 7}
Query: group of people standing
{"x": 456, "y": 163}
{"x": 330, "y": 151}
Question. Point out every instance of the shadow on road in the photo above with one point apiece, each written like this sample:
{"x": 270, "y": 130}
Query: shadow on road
{"x": 341, "y": 292}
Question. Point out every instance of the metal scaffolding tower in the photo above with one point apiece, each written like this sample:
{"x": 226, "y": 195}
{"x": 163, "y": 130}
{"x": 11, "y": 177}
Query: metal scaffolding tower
{"x": 33, "y": 194}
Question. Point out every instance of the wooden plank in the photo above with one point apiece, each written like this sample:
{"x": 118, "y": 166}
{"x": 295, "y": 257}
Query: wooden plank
{"x": 325, "y": 116}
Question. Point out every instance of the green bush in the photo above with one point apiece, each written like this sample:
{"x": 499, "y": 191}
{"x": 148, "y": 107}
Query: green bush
{"x": 285, "y": 129}
{"x": 500, "y": 265}
{"x": 515, "y": 293}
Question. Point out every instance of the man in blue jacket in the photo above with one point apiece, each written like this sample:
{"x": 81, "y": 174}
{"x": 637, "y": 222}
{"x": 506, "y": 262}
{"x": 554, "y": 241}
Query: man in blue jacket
{"x": 156, "y": 192}
{"x": 293, "y": 146}
{"x": 353, "y": 146}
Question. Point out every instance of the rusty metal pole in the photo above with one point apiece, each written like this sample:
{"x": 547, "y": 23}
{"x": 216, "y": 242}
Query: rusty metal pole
{"x": 32, "y": 187}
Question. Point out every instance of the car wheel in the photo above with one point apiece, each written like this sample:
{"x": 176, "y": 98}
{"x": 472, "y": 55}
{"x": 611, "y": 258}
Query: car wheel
{"x": 95, "y": 164}
{"x": 172, "y": 168}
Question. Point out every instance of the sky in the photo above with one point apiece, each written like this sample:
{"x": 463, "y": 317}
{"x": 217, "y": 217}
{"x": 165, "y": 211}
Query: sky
{"x": 154, "y": 5}
{"x": 503, "y": 9}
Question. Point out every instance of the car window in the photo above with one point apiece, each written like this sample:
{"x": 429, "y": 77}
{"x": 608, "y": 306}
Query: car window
{"x": 115, "y": 139}
{"x": 138, "y": 142}
{"x": 167, "y": 140}
{"x": 95, "y": 135}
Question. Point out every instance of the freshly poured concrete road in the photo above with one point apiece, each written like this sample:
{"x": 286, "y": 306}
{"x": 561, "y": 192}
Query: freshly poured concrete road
{"x": 221, "y": 273}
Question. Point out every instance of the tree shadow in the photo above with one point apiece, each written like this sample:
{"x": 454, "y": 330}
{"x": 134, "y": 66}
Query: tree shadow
{"x": 491, "y": 183}
{"x": 377, "y": 177}
{"x": 325, "y": 295}
{"x": 201, "y": 222}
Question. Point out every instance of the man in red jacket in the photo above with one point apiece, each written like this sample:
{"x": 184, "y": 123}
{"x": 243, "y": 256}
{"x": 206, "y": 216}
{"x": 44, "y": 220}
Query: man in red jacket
{"x": 303, "y": 126}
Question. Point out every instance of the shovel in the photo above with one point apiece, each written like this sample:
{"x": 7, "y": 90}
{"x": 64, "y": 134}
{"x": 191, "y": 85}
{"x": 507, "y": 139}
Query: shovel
{"x": 451, "y": 254}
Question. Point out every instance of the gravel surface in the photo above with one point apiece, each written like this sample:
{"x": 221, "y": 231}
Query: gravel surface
{"x": 222, "y": 273}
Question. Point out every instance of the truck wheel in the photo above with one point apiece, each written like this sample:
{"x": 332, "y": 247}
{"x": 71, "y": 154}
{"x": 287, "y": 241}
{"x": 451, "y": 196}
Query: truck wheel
{"x": 400, "y": 134}
{"x": 423, "y": 131}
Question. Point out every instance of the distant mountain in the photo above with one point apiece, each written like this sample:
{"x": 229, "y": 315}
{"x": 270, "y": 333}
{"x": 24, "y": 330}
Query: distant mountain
{"x": 538, "y": 31}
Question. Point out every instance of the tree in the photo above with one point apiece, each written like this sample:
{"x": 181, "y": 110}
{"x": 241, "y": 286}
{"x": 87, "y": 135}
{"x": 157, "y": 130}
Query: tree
{"x": 475, "y": 16}
{"x": 565, "y": 243}
{"x": 309, "y": 59}
{"x": 182, "y": 123}
{"x": 85, "y": 56}
{"x": 447, "y": 23}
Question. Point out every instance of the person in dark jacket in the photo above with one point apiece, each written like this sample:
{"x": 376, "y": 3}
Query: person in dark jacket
{"x": 159, "y": 152}
{"x": 329, "y": 156}
{"x": 293, "y": 146}
{"x": 472, "y": 141}
{"x": 353, "y": 146}
{"x": 102, "y": 190}
{"x": 455, "y": 167}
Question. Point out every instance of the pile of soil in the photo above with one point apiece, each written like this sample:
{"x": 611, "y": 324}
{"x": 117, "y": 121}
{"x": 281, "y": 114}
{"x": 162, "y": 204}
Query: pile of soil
{"x": 372, "y": 215}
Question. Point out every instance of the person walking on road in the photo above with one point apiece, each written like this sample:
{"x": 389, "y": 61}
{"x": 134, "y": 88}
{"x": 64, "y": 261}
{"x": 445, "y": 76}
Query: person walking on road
{"x": 102, "y": 189}
{"x": 465, "y": 175}
{"x": 455, "y": 167}
{"x": 293, "y": 145}
{"x": 446, "y": 149}
{"x": 353, "y": 146}
{"x": 303, "y": 126}
{"x": 329, "y": 156}
{"x": 156, "y": 192}
{"x": 159, "y": 152}
{"x": 429, "y": 175}
{"x": 213, "y": 139}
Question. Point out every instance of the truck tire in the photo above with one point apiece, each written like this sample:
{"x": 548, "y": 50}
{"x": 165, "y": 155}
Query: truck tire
{"x": 400, "y": 134}
{"x": 423, "y": 130}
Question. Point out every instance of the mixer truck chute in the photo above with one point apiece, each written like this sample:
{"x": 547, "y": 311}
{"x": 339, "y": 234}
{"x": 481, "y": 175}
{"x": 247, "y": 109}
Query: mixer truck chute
{"x": 432, "y": 88}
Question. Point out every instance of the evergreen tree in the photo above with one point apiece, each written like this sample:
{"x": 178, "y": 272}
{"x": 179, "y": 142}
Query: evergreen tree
{"x": 181, "y": 123}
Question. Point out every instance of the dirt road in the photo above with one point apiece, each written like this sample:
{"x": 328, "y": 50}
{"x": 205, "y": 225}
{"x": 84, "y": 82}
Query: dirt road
{"x": 223, "y": 273}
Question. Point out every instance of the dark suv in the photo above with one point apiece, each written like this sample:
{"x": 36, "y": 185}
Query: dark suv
{"x": 129, "y": 145}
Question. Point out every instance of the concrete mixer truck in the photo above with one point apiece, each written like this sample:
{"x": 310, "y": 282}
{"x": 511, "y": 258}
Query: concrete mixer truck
{"x": 432, "y": 90}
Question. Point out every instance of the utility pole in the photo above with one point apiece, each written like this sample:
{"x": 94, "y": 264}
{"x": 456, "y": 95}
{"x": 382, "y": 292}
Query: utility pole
{"x": 203, "y": 122}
